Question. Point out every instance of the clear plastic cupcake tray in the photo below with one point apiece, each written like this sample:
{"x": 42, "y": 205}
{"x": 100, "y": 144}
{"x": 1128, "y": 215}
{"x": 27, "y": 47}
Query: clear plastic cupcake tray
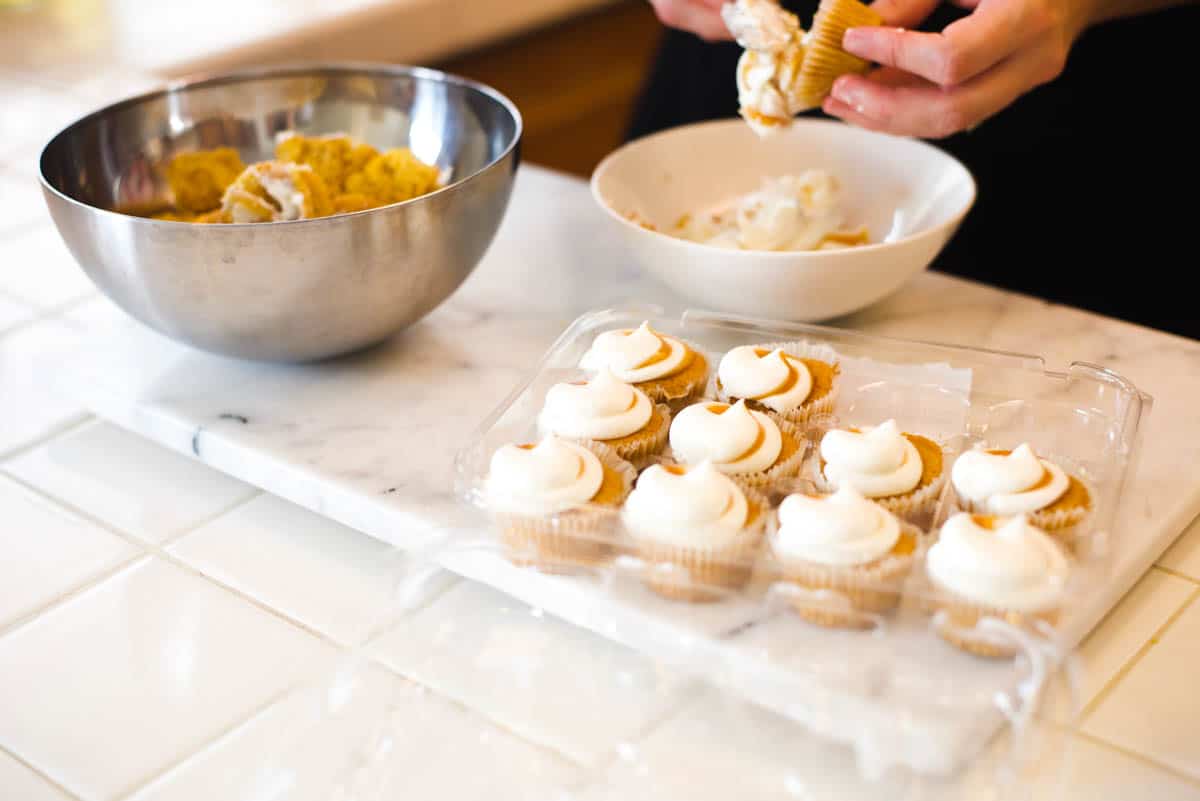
{"x": 886, "y": 683}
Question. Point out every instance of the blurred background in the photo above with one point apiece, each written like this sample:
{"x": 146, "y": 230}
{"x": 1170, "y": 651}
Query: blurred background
{"x": 574, "y": 67}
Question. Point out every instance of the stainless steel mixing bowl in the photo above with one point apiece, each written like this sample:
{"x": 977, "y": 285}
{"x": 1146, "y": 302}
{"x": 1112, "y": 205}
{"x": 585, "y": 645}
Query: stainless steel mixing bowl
{"x": 285, "y": 291}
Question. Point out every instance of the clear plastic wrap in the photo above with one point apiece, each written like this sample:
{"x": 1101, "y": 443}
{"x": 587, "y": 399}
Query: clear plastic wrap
{"x": 669, "y": 672}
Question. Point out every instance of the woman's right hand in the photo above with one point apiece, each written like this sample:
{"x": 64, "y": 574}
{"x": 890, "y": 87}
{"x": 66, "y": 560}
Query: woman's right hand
{"x": 701, "y": 17}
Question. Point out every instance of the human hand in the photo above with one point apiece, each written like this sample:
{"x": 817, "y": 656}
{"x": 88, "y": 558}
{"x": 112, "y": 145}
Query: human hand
{"x": 701, "y": 17}
{"x": 936, "y": 84}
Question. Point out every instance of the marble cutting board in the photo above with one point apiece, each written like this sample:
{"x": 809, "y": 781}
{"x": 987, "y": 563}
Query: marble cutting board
{"x": 369, "y": 440}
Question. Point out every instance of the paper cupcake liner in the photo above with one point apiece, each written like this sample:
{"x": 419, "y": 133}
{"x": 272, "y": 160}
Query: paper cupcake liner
{"x": 703, "y": 575}
{"x": 959, "y": 618}
{"x": 810, "y": 412}
{"x": 563, "y": 542}
{"x": 641, "y": 448}
{"x": 824, "y": 59}
{"x": 853, "y": 593}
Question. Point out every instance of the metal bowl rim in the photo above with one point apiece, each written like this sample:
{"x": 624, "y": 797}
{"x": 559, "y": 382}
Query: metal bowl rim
{"x": 285, "y": 70}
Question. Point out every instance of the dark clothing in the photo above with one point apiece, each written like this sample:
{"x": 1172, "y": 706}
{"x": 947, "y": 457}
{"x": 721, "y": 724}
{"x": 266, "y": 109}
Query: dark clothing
{"x": 1087, "y": 185}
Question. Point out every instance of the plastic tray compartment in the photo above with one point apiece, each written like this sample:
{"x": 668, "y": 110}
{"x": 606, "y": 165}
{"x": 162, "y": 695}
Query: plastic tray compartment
{"x": 894, "y": 691}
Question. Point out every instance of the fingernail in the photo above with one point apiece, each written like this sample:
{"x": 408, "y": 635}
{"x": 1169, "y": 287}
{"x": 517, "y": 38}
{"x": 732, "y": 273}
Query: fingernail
{"x": 855, "y": 38}
{"x": 843, "y": 90}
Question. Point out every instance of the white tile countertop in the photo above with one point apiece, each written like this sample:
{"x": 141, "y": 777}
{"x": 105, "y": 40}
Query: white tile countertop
{"x": 157, "y": 617}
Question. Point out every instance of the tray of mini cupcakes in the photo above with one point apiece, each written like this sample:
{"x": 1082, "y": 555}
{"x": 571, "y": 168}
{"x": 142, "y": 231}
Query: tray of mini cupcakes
{"x": 836, "y": 474}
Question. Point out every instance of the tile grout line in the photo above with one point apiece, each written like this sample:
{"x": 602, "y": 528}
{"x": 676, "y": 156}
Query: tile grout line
{"x": 33, "y": 769}
{"x": 1131, "y": 663}
{"x": 1137, "y": 756}
{"x": 63, "y": 429}
{"x": 70, "y": 594}
{"x": 141, "y": 784}
{"x": 1170, "y": 571}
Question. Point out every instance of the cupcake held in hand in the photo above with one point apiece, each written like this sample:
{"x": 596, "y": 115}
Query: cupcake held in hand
{"x": 901, "y": 472}
{"x": 698, "y": 532}
{"x": 991, "y": 567}
{"x": 780, "y": 381}
{"x": 1001, "y": 482}
{"x": 847, "y": 555}
{"x": 748, "y": 446}
{"x": 556, "y": 501}
{"x": 608, "y": 411}
{"x": 667, "y": 369}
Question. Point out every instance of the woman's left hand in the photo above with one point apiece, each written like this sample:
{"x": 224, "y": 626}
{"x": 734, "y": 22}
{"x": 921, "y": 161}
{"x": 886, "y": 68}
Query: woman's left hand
{"x": 933, "y": 85}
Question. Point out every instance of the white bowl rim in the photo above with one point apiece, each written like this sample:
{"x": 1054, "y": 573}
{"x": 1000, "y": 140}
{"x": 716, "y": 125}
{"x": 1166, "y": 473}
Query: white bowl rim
{"x": 792, "y": 255}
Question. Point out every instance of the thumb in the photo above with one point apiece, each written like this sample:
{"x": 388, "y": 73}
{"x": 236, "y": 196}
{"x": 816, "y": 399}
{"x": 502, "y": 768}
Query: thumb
{"x": 904, "y": 13}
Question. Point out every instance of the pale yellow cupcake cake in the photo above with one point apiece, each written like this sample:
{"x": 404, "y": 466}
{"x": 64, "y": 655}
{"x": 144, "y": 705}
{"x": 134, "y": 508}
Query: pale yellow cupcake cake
{"x": 607, "y": 410}
{"x": 555, "y": 502}
{"x": 847, "y": 557}
{"x": 697, "y": 531}
{"x": 1005, "y": 569}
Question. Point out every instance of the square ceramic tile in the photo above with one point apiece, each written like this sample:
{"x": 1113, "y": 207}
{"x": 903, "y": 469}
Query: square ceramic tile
{"x": 13, "y": 313}
{"x": 366, "y": 735}
{"x": 21, "y": 204}
{"x": 1184, "y": 556}
{"x": 31, "y": 405}
{"x": 112, "y": 687}
{"x": 532, "y": 673}
{"x": 46, "y": 552}
{"x": 1155, "y": 710}
{"x": 1117, "y": 638}
{"x": 39, "y": 269}
{"x": 1093, "y": 772}
{"x": 19, "y": 783}
{"x": 329, "y": 577}
{"x": 150, "y": 492}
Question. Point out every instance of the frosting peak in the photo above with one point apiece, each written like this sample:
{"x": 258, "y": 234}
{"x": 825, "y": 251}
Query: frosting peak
{"x": 734, "y": 438}
{"x": 698, "y": 506}
{"x": 1006, "y": 563}
{"x": 840, "y": 529}
{"x": 637, "y": 355}
{"x": 878, "y": 461}
{"x": 552, "y": 476}
{"x": 1008, "y": 482}
{"x": 603, "y": 408}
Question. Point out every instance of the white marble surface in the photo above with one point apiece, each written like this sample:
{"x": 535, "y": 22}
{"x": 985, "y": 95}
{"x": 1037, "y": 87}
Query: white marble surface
{"x": 369, "y": 440}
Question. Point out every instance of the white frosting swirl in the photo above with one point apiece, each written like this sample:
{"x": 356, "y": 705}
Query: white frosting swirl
{"x": 553, "y": 476}
{"x": 603, "y": 408}
{"x": 766, "y": 72}
{"x": 734, "y": 438}
{"x": 1008, "y": 484}
{"x": 777, "y": 380}
{"x": 638, "y": 355}
{"x": 878, "y": 462}
{"x": 697, "y": 507}
{"x": 840, "y": 529}
{"x": 1016, "y": 566}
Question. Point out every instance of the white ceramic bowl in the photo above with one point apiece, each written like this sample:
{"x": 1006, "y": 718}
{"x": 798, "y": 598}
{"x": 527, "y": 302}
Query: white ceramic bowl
{"x": 910, "y": 195}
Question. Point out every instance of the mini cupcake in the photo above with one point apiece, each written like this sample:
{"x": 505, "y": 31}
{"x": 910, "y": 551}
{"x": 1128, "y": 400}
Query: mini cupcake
{"x": 698, "y": 532}
{"x": 824, "y": 59}
{"x": 1006, "y": 483}
{"x": 608, "y": 411}
{"x": 667, "y": 369}
{"x": 848, "y": 555}
{"x": 991, "y": 567}
{"x": 901, "y": 472}
{"x": 748, "y": 446}
{"x": 793, "y": 382}
{"x": 555, "y": 502}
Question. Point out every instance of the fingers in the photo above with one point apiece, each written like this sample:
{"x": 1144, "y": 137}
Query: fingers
{"x": 904, "y": 13}
{"x": 701, "y": 17}
{"x": 926, "y": 110}
{"x": 963, "y": 50}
